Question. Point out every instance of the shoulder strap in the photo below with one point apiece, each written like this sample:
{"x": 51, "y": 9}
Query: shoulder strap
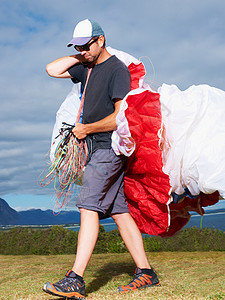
{"x": 83, "y": 96}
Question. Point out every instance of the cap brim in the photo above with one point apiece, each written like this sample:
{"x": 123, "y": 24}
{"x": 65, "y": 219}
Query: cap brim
{"x": 80, "y": 41}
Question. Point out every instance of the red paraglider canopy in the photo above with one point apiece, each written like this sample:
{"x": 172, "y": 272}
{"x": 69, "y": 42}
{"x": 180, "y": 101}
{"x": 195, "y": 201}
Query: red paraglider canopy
{"x": 147, "y": 187}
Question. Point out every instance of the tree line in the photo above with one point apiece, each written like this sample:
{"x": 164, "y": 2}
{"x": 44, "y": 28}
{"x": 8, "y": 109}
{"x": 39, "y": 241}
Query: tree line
{"x": 59, "y": 240}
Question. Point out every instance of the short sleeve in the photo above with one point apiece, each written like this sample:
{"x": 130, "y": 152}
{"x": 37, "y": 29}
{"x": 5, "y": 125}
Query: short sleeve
{"x": 78, "y": 73}
{"x": 120, "y": 84}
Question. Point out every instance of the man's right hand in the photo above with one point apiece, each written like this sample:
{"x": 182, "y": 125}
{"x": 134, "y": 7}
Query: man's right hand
{"x": 80, "y": 131}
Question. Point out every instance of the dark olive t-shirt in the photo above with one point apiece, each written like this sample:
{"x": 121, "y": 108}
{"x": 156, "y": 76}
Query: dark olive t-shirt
{"x": 108, "y": 81}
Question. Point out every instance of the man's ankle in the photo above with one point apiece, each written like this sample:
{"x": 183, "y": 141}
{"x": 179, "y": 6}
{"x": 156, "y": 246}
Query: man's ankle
{"x": 79, "y": 277}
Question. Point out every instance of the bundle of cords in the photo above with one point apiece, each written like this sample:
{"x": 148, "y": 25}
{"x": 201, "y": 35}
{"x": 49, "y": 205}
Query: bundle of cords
{"x": 67, "y": 169}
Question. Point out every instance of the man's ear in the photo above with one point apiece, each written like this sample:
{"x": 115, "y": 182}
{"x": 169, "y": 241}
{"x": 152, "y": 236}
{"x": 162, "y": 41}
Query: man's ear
{"x": 101, "y": 41}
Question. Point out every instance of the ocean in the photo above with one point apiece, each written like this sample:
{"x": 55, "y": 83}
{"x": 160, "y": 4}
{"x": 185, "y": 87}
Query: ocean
{"x": 209, "y": 220}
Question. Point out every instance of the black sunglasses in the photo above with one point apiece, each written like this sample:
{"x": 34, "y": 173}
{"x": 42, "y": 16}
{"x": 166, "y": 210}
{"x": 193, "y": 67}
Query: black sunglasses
{"x": 85, "y": 47}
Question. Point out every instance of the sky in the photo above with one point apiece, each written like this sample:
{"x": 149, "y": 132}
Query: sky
{"x": 180, "y": 42}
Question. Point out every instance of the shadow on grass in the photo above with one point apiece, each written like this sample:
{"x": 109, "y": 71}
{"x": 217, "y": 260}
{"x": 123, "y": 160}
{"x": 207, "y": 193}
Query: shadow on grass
{"x": 107, "y": 273}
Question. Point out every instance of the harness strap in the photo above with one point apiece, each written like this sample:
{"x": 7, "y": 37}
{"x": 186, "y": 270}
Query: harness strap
{"x": 83, "y": 96}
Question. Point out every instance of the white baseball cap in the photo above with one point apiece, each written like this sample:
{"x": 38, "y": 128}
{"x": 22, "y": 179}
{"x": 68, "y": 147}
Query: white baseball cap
{"x": 84, "y": 31}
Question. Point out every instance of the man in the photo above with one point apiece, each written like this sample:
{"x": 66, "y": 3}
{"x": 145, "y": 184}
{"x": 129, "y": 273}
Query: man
{"x": 102, "y": 193}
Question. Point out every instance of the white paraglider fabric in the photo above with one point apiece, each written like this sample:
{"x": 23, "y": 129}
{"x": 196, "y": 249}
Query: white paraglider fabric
{"x": 66, "y": 113}
{"x": 194, "y": 147}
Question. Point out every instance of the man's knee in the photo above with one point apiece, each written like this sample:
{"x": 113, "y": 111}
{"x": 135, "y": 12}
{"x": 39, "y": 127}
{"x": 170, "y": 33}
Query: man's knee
{"x": 88, "y": 212}
{"x": 119, "y": 216}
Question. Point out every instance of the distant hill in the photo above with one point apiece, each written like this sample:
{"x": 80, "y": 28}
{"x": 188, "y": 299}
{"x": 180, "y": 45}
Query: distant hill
{"x": 8, "y": 215}
{"x": 46, "y": 217}
{"x": 210, "y": 211}
{"x": 215, "y": 211}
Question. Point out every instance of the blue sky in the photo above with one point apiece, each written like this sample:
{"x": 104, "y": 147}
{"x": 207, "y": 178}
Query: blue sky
{"x": 184, "y": 40}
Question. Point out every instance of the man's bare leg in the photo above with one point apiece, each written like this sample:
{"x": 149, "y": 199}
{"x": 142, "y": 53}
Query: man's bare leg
{"x": 73, "y": 285}
{"x": 132, "y": 238}
{"x": 87, "y": 238}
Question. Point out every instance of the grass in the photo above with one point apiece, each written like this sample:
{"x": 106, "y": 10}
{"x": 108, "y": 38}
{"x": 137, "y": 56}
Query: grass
{"x": 183, "y": 275}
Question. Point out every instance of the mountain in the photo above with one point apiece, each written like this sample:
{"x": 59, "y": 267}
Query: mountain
{"x": 215, "y": 211}
{"x": 210, "y": 211}
{"x": 8, "y": 215}
{"x": 46, "y": 217}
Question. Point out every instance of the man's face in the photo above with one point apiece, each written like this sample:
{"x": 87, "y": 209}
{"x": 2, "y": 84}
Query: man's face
{"x": 92, "y": 49}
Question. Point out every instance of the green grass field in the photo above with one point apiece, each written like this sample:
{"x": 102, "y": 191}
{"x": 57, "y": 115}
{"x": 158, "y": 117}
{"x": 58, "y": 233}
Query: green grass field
{"x": 183, "y": 275}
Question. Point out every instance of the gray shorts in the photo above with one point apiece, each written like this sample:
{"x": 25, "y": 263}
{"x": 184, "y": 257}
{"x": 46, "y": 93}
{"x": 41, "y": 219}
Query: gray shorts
{"x": 103, "y": 185}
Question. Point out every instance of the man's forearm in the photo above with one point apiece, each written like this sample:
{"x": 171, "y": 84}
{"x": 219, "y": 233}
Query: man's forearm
{"x": 59, "y": 67}
{"x": 106, "y": 124}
